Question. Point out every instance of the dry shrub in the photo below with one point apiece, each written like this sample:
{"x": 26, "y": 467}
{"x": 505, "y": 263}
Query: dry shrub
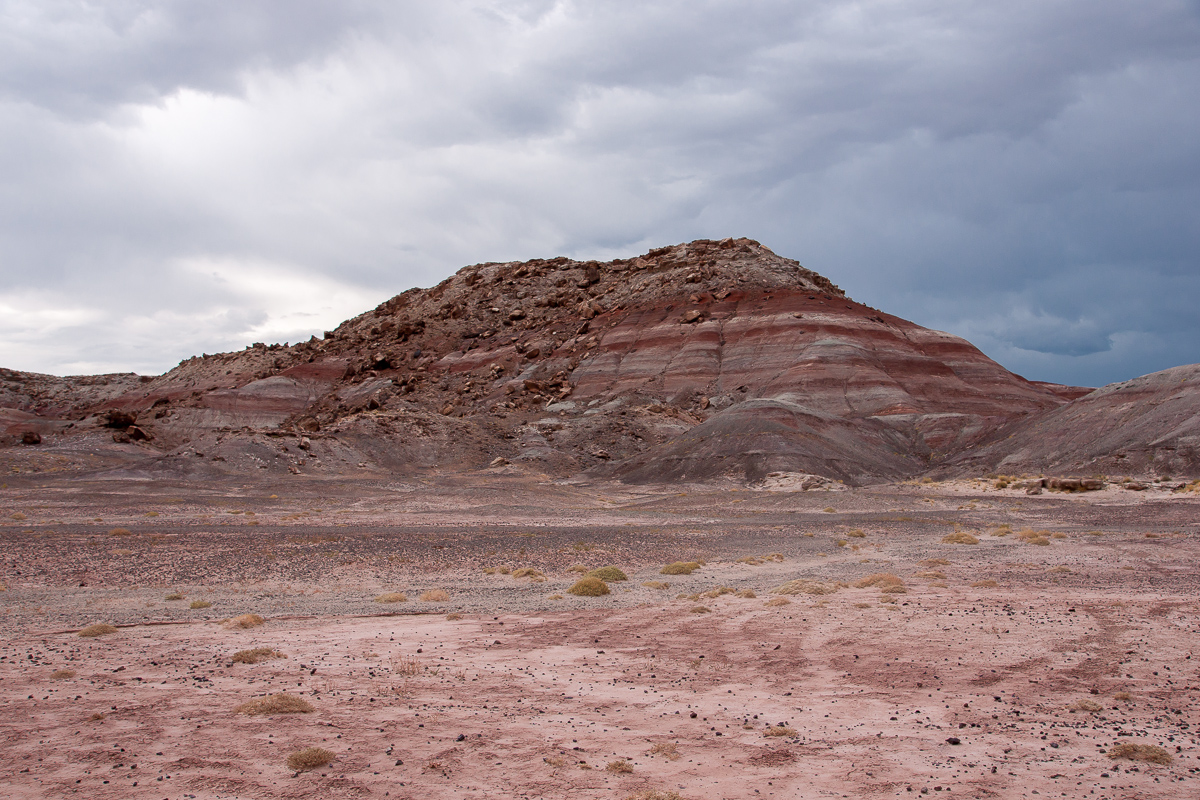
{"x": 1140, "y": 752}
{"x": 406, "y": 666}
{"x": 620, "y": 767}
{"x": 489, "y": 570}
{"x": 934, "y": 562}
{"x": 580, "y": 568}
{"x": 699, "y": 610}
{"x": 655, "y": 794}
{"x": 1124, "y": 697}
{"x": 608, "y": 574}
{"x": 959, "y": 537}
{"x": 665, "y": 749}
{"x": 99, "y": 629}
{"x": 713, "y": 594}
{"x": 555, "y": 597}
{"x": 775, "y": 602}
{"x": 122, "y": 552}
{"x": 453, "y": 617}
{"x": 887, "y": 598}
{"x": 747, "y": 594}
{"x": 17, "y": 515}
{"x": 842, "y": 542}
{"x": 1091, "y": 706}
{"x": 309, "y": 758}
{"x": 829, "y": 510}
{"x": 200, "y": 604}
{"x": 96, "y": 716}
{"x": 244, "y": 621}
{"x": 435, "y": 596}
{"x": 62, "y": 674}
{"x": 534, "y": 575}
{"x": 984, "y": 584}
{"x": 282, "y": 703}
{"x": 932, "y": 573}
{"x": 503, "y": 570}
{"x": 862, "y": 605}
{"x": 120, "y": 532}
{"x": 879, "y": 579}
{"x": 1030, "y": 536}
{"x": 392, "y": 597}
{"x": 1059, "y": 569}
{"x": 680, "y": 568}
{"x": 780, "y": 730}
{"x": 893, "y": 590}
{"x": 255, "y": 655}
{"x": 805, "y": 586}
{"x": 558, "y": 762}
{"x": 589, "y": 587}
{"x": 657, "y": 585}
{"x": 856, "y": 533}
{"x": 174, "y": 596}
{"x": 1058, "y": 535}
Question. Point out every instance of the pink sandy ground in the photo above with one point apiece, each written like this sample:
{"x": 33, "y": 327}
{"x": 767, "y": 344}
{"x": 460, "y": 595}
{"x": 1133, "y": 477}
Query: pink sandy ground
{"x": 539, "y": 704}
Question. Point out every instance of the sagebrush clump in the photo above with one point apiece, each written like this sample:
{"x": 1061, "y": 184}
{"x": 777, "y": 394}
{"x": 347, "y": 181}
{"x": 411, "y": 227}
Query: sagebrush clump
{"x": 255, "y": 655}
{"x": 98, "y": 629}
{"x": 589, "y": 587}
{"x": 680, "y": 568}
{"x": 309, "y": 758}
{"x": 282, "y": 703}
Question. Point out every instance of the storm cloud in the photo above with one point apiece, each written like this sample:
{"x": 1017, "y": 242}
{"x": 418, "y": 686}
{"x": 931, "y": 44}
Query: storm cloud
{"x": 182, "y": 177}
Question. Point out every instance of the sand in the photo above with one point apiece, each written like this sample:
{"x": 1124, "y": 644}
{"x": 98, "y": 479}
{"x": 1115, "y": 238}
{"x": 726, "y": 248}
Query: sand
{"x": 944, "y": 689}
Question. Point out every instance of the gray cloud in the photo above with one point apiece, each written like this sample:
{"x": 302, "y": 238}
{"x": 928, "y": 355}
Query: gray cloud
{"x": 184, "y": 177}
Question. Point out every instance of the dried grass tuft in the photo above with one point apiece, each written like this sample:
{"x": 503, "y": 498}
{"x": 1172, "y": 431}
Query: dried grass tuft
{"x": 580, "y": 568}
{"x": 894, "y": 590}
{"x": 309, "y": 758}
{"x": 934, "y": 562}
{"x": 621, "y": 767}
{"x": 589, "y": 587}
{"x": 655, "y": 794}
{"x": 1086, "y": 704}
{"x": 435, "y": 596}
{"x": 780, "y": 730}
{"x": 747, "y": 594}
{"x": 665, "y": 749}
{"x": 959, "y": 537}
{"x": 99, "y": 629}
{"x": 1030, "y": 536}
{"x": 282, "y": 703}
{"x": 534, "y": 575}
{"x": 255, "y": 655}
{"x": 244, "y": 621}
{"x": 657, "y": 585}
{"x": 120, "y": 532}
{"x": 805, "y": 586}
{"x": 680, "y": 568}
{"x": 392, "y": 597}
{"x": 174, "y": 596}
{"x": 608, "y": 574}
{"x": 879, "y": 579}
{"x": 984, "y": 584}
{"x": 778, "y": 601}
{"x": 62, "y": 674}
{"x": 197, "y": 604}
{"x": 699, "y": 610}
{"x": 1140, "y": 752}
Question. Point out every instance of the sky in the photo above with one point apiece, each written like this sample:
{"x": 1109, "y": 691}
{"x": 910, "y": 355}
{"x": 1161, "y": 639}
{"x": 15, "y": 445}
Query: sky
{"x": 188, "y": 177}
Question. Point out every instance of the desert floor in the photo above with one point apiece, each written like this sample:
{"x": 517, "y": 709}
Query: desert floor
{"x": 1004, "y": 668}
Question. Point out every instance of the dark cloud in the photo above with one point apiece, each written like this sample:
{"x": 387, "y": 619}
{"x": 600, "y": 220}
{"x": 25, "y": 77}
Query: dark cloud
{"x": 182, "y": 176}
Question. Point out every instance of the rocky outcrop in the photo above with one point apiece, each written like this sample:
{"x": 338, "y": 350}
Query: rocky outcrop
{"x": 701, "y": 359}
{"x": 1146, "y": 426}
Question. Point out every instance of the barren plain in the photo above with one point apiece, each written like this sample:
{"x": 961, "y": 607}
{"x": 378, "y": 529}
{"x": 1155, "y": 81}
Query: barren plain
{"x": 902, "y": 665}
